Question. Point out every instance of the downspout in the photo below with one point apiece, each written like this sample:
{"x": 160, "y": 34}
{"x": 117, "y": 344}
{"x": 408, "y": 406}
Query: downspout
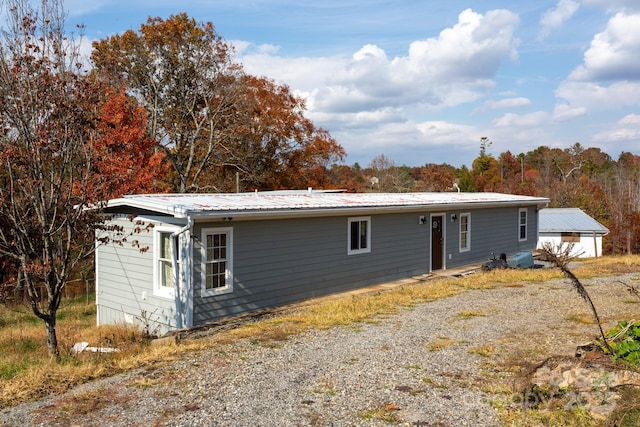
{"x": 182, "y": 277}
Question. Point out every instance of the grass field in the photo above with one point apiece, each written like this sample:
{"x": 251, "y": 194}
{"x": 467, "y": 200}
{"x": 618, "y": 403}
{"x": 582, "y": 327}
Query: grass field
{"x": 26, "y": 372}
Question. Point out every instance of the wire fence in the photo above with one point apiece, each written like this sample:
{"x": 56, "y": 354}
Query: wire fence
{"x": 15, "y": 293}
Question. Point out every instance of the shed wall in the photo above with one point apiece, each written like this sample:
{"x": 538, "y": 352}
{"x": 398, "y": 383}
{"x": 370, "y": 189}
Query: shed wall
{"x": 585, "y": 248}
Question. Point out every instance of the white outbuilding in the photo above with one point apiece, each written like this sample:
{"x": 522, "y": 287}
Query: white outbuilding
{"x": 571, "y": 225}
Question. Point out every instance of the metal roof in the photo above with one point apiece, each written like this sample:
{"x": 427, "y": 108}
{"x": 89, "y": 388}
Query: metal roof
{"x": 568, "y": 220}
{"x": 287, "y": 203}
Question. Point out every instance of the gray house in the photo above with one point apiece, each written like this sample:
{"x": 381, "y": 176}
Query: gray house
{"x": 572, "y": 226}
{"x": 190, "y": 259}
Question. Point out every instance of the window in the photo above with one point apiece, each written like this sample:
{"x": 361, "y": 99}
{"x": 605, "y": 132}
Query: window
{"x": 217, "y": 257}
{"x": 359, "y": 238}
{"x": 569, "y": 237}
{"x": 522, "y": 224}
{"x": 465, "y": 232}
{"x": 163, "y": 269}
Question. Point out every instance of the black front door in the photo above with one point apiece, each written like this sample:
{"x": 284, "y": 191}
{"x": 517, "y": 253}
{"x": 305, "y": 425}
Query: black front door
{"x": 437, "y": 242}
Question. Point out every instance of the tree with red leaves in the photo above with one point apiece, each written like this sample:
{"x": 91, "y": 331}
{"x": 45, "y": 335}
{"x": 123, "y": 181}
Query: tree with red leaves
{"x": 66, "y": 144}
{"x": 220, "y": 128}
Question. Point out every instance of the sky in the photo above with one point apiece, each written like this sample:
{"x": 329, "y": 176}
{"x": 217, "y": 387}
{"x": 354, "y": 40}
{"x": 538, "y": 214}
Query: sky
{"x": 422, "y": 81}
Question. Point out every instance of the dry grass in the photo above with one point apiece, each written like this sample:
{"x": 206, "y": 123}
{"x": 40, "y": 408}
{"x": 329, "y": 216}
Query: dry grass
{"x": 73, "y": 407}
{"x": 470, "y": 314}
{"x": 433, "y": 383}
{"x": 551, "y": 418}
{"x": 585, "y": 319}
{"x": 486, "y": 350}
{"x": 441, "y": 343}
{"x": 387, "y": 412}
{"x": 22, "y": 337}
{"x": 627, "y": 413}
{"x": 346, "y": 311}
{"x": 27, "y": 373}
{"x": 608, "y": 265}
{"x": 507, "y": 278}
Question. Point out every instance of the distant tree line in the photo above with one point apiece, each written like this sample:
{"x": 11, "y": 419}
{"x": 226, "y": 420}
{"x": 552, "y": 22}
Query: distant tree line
{"x": 587, "y": 178}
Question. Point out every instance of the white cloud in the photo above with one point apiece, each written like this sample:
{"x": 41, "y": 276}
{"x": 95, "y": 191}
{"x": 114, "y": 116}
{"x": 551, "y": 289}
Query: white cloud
{"x": 360, "y": 119}
{"x": 614, "y": 5}
{"x": 472, "y": 49}
{"x": 454, "y": 68}
{"x": 366, "y": 99}
{"x": 305, "y": 74}
{"x": 554, "y": 18}
{"x": 441, "y": 132}
{"x": 621, "y": 134}
{"x": 596, "y": 97}
{"x": 626, "y": 130}
{"x": 633, "y": 119}
{"x": 415, "y": 142}
{"x": 504, "y": 103}
{"x": 563, "y": 112}
{"x": 535, "y": 119}
{"x": 614, "y": 54}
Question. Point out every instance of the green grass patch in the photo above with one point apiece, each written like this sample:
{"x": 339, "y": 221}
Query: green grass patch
{"x": 469, "y": 314}
{"x": 387, "y": 412}
{"x": 584, "y": 319}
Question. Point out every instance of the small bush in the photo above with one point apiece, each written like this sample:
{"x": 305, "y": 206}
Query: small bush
{"x": 625, "y": 342}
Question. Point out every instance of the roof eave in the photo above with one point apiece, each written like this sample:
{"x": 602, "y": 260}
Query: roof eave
{"x": 353, "y": 210}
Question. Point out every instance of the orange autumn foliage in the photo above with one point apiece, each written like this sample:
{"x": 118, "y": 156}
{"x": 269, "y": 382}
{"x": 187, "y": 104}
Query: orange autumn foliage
{"x": 125, "y": 157}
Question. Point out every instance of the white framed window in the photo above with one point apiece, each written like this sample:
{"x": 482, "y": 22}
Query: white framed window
{"x": 522, "y": 224}
{"x": 359, "y": 235}
{"x": 164, "y": 261}
{"x": 465, "y": 232}
{"x": 217, "y": 261}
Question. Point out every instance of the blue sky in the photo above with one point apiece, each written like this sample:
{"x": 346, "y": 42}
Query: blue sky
{"x": 421, "y": 81}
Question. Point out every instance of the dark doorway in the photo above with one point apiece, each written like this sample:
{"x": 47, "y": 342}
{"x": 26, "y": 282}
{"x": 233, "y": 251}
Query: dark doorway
{"x": 437, "y": 242}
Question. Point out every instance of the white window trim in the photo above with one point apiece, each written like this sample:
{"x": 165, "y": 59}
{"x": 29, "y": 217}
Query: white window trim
{"x": 358, "y": 251}
{"x": 526, "y": 220}
{"x": 158, "y": 290}
{"x": 203, "y": 257}
{"x": 468, "y": 248}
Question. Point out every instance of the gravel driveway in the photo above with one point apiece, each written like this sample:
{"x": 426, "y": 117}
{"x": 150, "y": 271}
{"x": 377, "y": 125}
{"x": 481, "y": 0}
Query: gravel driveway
{"x": 441, "y": 363}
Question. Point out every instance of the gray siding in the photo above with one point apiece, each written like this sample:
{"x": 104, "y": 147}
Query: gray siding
{"x": 125, "y": 285}
{"x": 492, "y": 231}
{"x": 282, "y": 261}
{"x": 277, "y": 262}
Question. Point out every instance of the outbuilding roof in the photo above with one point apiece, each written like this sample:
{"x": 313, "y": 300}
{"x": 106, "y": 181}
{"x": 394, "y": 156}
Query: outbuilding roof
{"x": 286, "y": 203}
{"x": 568, "y": 220}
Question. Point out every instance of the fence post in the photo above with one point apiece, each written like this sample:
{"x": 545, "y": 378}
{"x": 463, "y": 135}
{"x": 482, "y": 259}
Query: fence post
{"x": 86, "y": 286}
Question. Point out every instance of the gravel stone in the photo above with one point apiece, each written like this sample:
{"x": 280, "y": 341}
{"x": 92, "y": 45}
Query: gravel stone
{"x": 378, "y": 373}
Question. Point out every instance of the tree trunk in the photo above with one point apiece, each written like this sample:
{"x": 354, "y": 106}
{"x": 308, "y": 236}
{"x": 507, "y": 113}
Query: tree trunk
{"x": 52, "y": 338}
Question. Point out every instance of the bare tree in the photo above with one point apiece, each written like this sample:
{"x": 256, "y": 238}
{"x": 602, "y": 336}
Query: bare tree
{"x": 561, "y": 256}
{"x": 387, "y": 177}
{"x": 45, "y": 156}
